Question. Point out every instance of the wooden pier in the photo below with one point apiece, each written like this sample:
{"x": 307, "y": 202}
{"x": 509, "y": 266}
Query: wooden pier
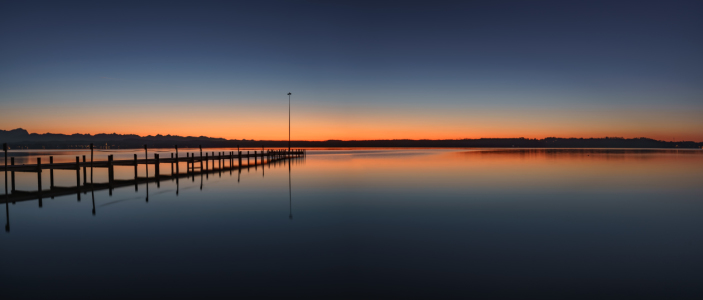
{"x": 195, "y": 165}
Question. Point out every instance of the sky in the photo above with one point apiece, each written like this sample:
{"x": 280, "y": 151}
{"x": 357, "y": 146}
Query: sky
{"x": 356, "y": 69}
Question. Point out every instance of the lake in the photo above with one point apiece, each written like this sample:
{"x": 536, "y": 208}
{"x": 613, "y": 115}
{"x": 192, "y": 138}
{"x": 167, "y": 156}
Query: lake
{"x": 370, "y": 223}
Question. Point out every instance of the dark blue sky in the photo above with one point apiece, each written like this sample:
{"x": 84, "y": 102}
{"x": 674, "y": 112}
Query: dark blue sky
{"x": 363, "y": 61}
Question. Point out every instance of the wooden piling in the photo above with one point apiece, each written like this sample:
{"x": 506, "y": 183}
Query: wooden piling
{"x": 110, "y": 170}
{"x": 146, "y": 163}
{"x": 78, "y": 177}
{"x": 85, "y": 173}
{"x": 12, "y": 175}
{"x": 51, "y": 172}
{"x": 136, "y": 182}
{"x": 177, "y": 167}
{"x": 91, "y": 163}
{"x": 39, "y": 180}
{"x": 157, "y": 166}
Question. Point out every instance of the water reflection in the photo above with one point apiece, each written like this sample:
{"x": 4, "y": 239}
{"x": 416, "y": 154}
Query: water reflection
{"x": 290, "y": 196}
{"x": 399, "y": 223}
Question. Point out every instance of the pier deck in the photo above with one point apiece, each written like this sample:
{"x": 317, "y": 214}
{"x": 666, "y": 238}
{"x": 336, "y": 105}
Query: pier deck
{"x": 226, "y": 161}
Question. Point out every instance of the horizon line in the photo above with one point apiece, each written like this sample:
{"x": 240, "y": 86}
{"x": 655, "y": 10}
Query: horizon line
{"x": 348, "y": 140}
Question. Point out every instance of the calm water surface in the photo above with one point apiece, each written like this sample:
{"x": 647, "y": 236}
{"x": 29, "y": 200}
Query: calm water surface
{"x": 410, "y": 223}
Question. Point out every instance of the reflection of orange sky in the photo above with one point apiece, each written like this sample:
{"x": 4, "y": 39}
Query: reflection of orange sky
{"x": 535, "y": 170}
{"x": 313, "y": 123}
{"x": 502, "y": 170}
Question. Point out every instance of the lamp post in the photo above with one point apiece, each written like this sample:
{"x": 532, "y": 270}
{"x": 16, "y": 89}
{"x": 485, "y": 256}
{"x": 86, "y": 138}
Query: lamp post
{"x": 289, "y": 122}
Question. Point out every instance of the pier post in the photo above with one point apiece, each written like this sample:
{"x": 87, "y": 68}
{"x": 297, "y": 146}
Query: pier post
{"x": 201, "y": 157}
{"x": 39, "y": 180}
{"x": 78, "y": 177}
{"x": 171, "y": 166}
{"x": 240, "y": 159}
{"x": 192, "y": 165}
{"x": 78, "y": 171}
{"x": 177, "y": 168}
{"x": 12, "y": 175}
{"x": 85, "y": 174}
{"x": 157, "y": 173}
{"x": 91, "y": 163}
{"x": 146, "y": 162}
{"x": 110, "y": 170}
{"x": 51, "y": 172}
{"x": 207, "y": 168}
{"x": 136, "y": 182}
{"x": 110, "y": 174}
{"x": 135, "y": 166}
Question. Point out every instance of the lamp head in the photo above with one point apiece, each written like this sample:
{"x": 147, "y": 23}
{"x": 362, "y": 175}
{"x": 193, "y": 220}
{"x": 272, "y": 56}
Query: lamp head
{"x": 289, "y": 94}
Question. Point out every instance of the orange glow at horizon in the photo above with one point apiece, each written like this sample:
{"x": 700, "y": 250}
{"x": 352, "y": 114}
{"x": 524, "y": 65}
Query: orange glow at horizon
{"x": 313, "y": 123}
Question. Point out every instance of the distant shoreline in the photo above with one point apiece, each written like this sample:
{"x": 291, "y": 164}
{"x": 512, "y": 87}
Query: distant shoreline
{"x": 21, "y": 139}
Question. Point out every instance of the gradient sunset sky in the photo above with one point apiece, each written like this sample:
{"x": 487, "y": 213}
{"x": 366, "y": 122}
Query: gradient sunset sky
{"x": 357, "y": 69}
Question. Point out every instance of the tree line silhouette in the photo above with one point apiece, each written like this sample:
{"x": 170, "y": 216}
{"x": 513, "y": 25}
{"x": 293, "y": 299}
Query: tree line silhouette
{"x": 21, "y": 139}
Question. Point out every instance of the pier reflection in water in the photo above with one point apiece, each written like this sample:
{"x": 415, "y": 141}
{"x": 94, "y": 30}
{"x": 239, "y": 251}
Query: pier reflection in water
{"x": 376, "y": 223}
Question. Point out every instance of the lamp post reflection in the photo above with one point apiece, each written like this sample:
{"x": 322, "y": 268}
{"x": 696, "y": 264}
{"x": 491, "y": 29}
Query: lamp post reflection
{"x": 290, "y": 197}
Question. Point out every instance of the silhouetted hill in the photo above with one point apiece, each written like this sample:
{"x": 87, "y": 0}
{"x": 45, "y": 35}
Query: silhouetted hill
{"x": 20, "y": 138}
